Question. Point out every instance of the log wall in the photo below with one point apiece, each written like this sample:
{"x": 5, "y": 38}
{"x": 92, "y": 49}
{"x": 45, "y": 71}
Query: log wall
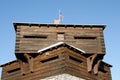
{"x": 31, "y": 38}
{"x": 58, "y": 61}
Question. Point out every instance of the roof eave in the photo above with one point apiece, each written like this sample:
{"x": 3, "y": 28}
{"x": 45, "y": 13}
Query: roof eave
{"x": 8, "y": 63}
{"x": 61, "y": 25}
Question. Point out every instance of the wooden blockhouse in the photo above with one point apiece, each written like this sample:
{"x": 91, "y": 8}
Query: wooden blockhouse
{"x": 47, "y": 51}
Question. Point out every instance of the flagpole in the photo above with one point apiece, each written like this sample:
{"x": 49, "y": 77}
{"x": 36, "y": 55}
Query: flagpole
{"x": 59, "y": 15}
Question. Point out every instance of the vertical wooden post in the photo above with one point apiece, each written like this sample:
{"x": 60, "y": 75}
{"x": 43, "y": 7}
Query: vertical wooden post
{"x": 30, "y": 61}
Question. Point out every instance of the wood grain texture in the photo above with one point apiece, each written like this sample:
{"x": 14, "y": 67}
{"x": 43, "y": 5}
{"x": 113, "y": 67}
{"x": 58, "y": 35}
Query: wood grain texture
{"x": 85, "y": 41}
{"x": 60, "y": 65}
{"x": 31, "y": 65}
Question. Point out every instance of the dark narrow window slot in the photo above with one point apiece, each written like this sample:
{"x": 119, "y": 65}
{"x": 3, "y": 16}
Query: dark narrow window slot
{"x": 13, "y": 70}
{"x": 60, "y": 32}
{"x": 75, "y": 59}
{"x": 49, "y": 59}
{"x": 84, "y": 37}
{"x": 35, "y": 36}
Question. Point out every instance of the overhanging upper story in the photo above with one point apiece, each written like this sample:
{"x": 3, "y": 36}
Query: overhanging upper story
{"x": 54, "y": 60}
{"x": 31, "y": 37}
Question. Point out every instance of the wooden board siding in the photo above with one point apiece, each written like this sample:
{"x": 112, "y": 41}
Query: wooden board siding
{"x": 30, "y": 38}
{"x": 45, "y": 65}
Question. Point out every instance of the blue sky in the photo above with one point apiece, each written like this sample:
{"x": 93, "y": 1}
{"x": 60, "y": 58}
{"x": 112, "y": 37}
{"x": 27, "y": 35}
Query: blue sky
{"x": 75, "y": 12}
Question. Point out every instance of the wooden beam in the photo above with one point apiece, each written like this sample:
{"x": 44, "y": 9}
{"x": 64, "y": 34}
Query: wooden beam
{"x": 96, "y": 67}
{"x": 90, "y": 61}
{"x": 30, "y": 61}
{"x": 22, "y": 67}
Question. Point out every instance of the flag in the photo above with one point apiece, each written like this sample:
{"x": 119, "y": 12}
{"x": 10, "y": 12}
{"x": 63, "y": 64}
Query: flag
{"x": 61, "y": 16}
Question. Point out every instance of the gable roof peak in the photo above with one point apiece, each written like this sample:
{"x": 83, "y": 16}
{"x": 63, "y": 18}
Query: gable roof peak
{"x": 59, "y": 44}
